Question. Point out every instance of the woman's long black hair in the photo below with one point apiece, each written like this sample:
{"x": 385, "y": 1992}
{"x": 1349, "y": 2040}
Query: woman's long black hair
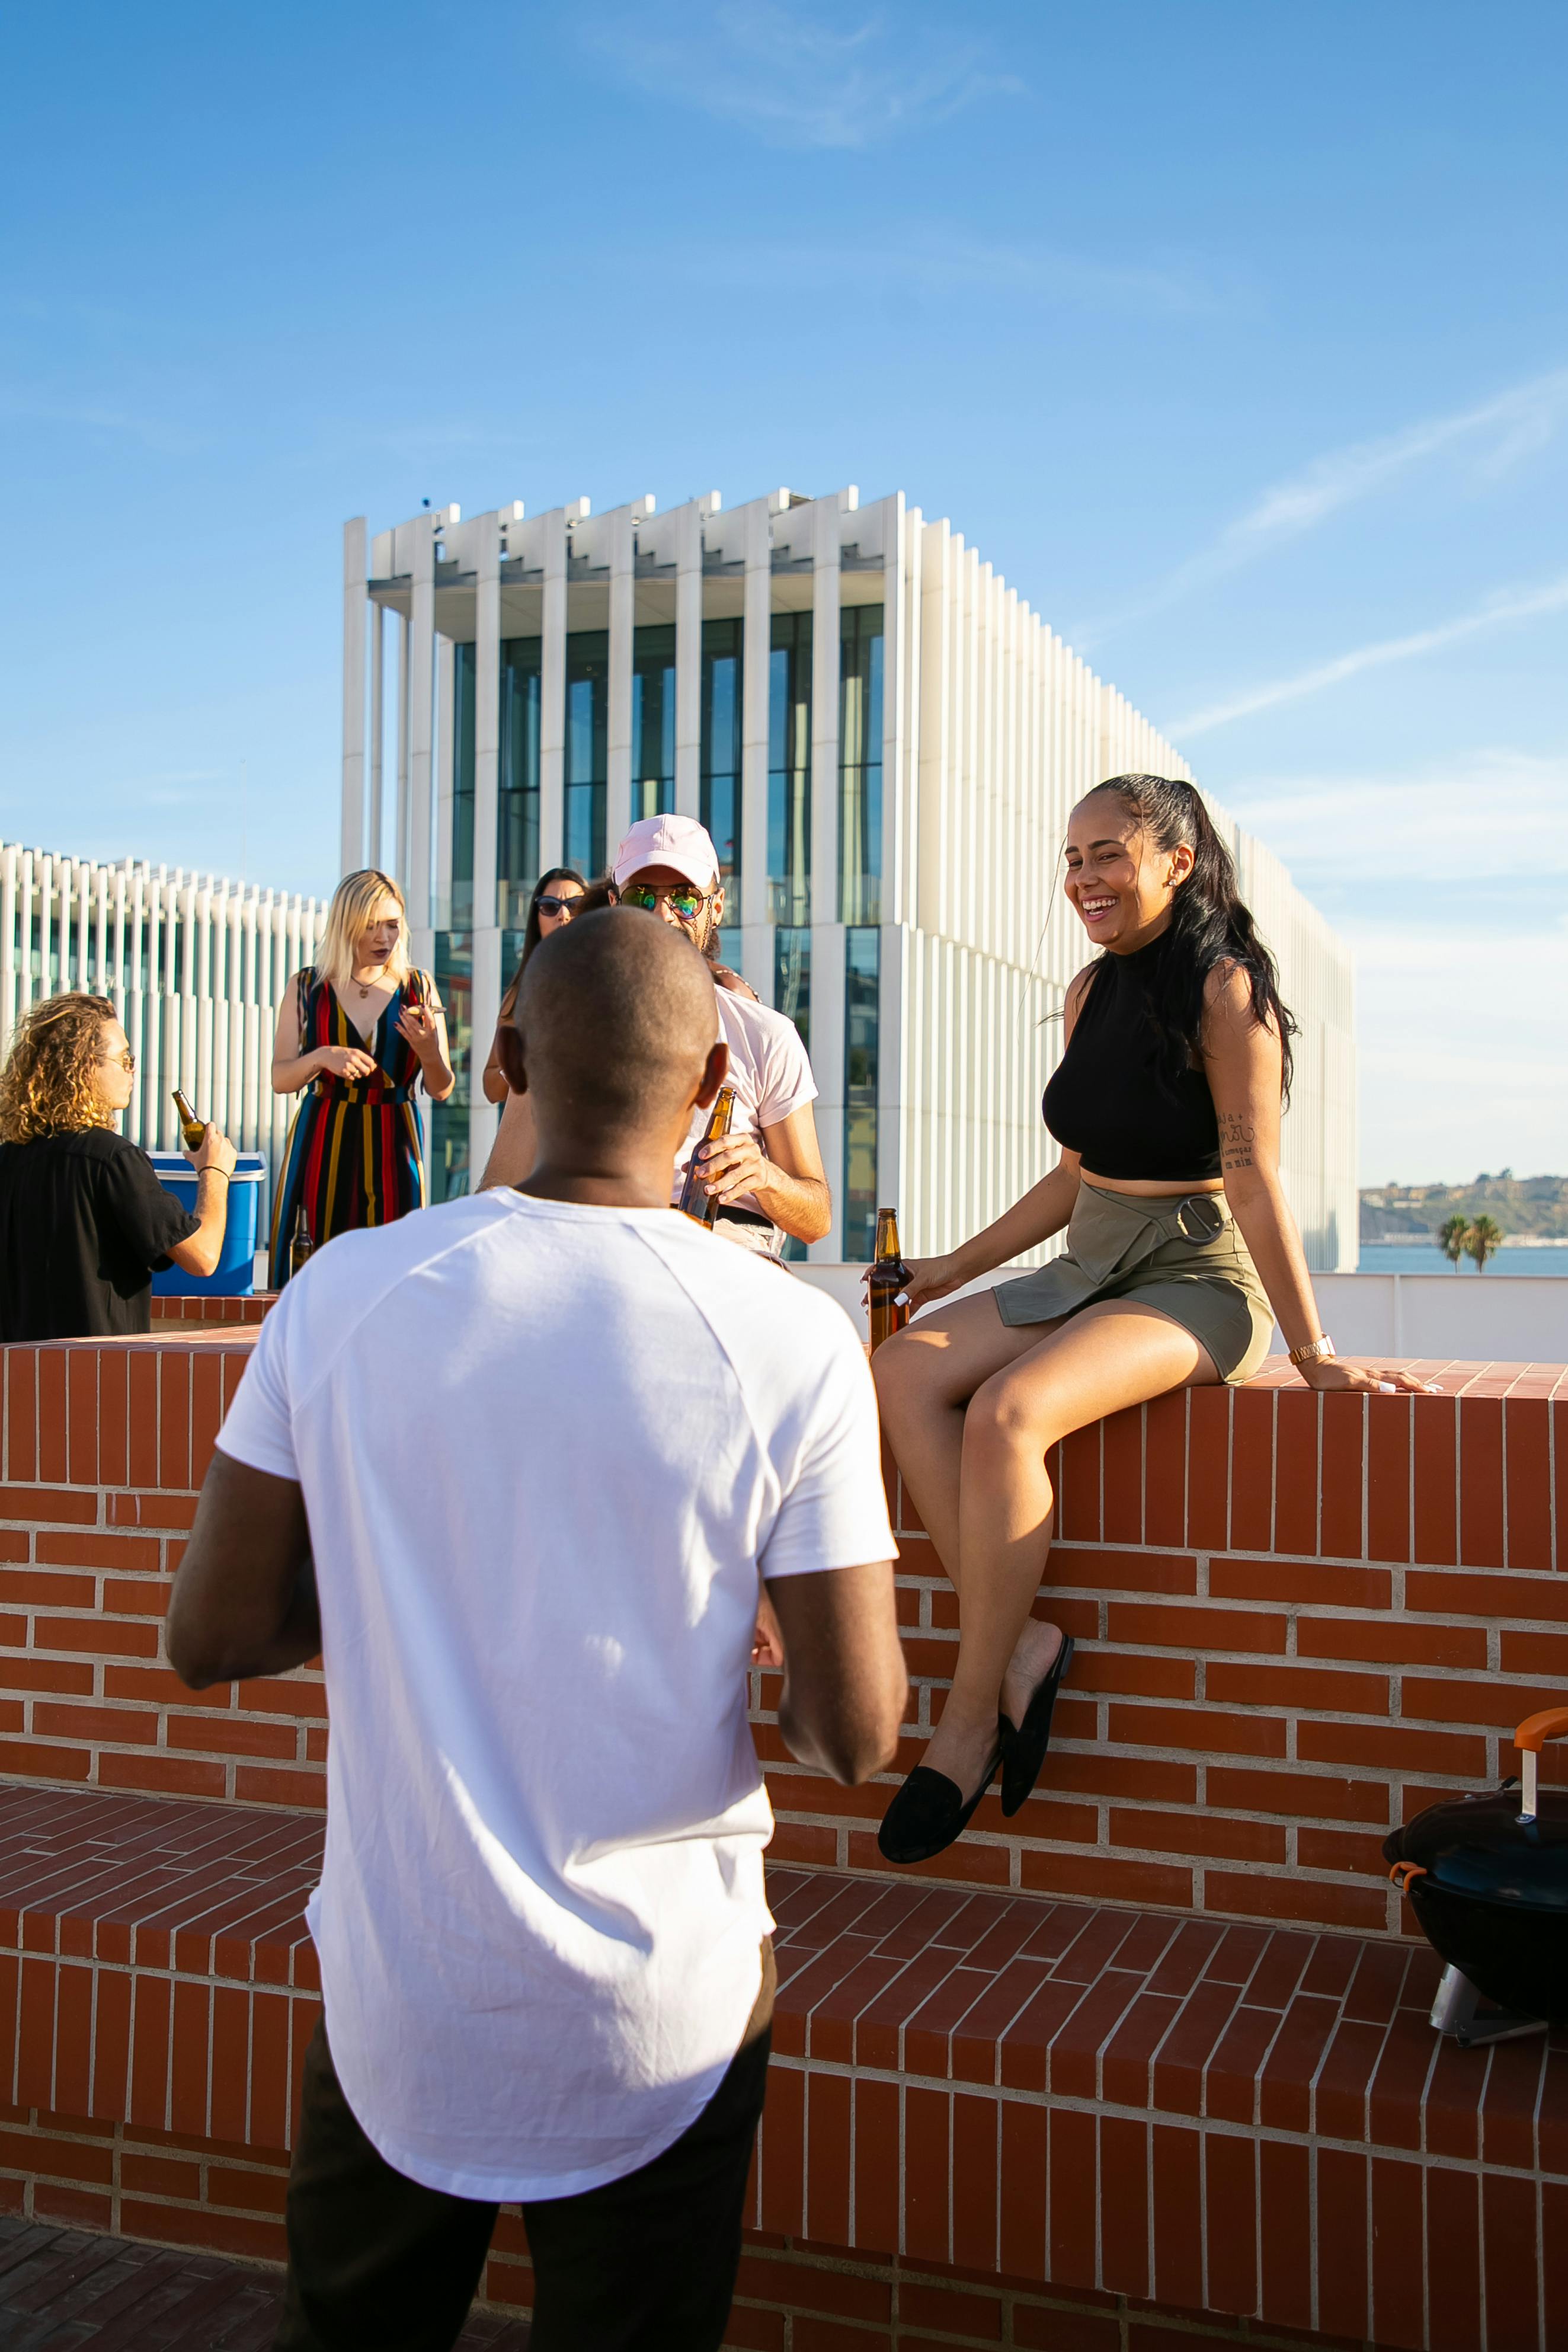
{"x": 1210, "y": 922}
{"x": 531, "y": 929}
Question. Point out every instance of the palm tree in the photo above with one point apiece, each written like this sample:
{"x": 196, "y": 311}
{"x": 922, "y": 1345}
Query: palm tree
{"x": 1483, "y": 1237}
{"x": 1451, "y": 1236}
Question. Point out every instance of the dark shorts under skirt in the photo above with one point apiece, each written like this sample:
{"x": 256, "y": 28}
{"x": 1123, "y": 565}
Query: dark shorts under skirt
{"x": 1183, "y": 1257}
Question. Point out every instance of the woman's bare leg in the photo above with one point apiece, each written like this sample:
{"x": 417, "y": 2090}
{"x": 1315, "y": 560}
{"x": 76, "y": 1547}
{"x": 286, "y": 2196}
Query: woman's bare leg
{"x": 924, "y": 1377}
{"x": 1113, "y": 1354}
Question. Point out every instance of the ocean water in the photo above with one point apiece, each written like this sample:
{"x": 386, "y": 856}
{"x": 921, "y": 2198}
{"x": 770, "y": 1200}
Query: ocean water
{"x": 1426, "y": 1257}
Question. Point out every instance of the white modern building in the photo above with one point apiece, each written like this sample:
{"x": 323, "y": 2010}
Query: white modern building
{"x": 884, "y": 741}
{"x": 195, "y": 968}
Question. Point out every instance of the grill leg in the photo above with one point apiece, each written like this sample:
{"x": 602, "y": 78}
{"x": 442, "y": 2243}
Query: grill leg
{"x": 1457, "y": 2009}
{"x": 1456, "y": 2002}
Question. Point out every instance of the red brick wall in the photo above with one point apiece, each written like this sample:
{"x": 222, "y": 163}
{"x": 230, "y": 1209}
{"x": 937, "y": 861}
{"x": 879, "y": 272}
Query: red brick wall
{"x": 211, "y": 1310}
{"x": 105, "y": 1447}
{"x": 791, "y": 2295}
{"x": 1298, "y": 1619}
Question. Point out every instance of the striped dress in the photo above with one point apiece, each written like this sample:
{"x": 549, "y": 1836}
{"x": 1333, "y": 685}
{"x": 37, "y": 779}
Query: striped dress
{"x": 355, "y": 1154}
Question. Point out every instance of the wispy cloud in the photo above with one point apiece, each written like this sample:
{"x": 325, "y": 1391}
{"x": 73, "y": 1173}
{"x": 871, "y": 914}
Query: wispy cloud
{"x": 1497, "y": 434}
{"x": 1485, "y": 816}
{"x": 163, "y": 434}
{"x": 1508, "y": 605}
{"x": 952, "y": 269}
{"x": 798, "y": 79}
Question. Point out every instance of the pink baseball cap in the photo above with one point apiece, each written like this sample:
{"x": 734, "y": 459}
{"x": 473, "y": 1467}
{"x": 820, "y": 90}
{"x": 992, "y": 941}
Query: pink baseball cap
{"x": 677, "y": 842}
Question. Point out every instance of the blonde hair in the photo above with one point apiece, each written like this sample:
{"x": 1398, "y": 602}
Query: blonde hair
{"x": 354, "y": 902}
{"x": 49, "y": 1083}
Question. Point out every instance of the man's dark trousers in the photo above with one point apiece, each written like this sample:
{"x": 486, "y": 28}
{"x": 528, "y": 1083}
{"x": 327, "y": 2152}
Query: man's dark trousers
{"x": 647, "y": 2263}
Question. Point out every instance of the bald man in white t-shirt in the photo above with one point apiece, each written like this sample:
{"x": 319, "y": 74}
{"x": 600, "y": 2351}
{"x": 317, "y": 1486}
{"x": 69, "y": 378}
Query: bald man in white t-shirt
{"x": 542, "y": 1921}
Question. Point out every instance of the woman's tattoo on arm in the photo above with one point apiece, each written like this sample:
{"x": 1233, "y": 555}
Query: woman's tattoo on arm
{"x": 1237, "y": 1135}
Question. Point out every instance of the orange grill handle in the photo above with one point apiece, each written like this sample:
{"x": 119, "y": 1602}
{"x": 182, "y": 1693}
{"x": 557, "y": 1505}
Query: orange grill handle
{"x": 1530, "y": 1739}
{"x": 1536, "y": 1729}
{"x": 1404, "y": 1872}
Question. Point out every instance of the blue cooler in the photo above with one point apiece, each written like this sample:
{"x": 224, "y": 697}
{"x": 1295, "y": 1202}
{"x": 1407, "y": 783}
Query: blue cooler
{"x": 235, "y": 1276}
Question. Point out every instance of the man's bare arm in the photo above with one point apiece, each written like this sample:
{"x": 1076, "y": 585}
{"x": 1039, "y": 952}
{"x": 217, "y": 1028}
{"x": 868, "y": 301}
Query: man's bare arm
{"x": 845, "y": 1687}
{"x": 245, "y": 1597}
{"x": 781, "y": 1168}
{"x": 515, "y": 1147}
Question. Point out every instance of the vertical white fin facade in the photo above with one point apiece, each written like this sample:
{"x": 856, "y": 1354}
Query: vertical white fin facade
{"x": 907, "y": 739}
{"x": 195, "y": 966}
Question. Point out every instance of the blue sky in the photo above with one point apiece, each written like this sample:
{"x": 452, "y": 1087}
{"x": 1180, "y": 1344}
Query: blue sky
{"x": 1233, "y": 334}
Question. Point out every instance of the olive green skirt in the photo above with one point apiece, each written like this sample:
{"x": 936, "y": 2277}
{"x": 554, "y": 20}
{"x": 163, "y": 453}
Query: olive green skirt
{"x": 1183, "y": 1257}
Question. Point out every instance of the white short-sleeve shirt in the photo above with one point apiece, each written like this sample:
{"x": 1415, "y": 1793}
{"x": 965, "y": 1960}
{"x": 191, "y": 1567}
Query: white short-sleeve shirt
{"x": 769, "y": 1070}
{"x": 545, "y": 1450}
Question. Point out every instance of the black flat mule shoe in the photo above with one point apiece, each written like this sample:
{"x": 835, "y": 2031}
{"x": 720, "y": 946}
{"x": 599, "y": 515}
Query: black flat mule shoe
{"x": 928, "y": 1812}
{"x": 1023, "y": 1750}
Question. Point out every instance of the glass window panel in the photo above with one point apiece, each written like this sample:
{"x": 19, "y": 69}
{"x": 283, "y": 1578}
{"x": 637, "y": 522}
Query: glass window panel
{"x": 792, "y": 997}
{"x": 587, "y": 748}
{"x": 862, "y": 965}
{"x": 517, "y": 859}
{"x": 653, "y": 720}
{"x": 789, "y": 768}
{"x": 860, "y": 763}
{"x": 721, "y": 721}
{"x": 449, "y": 1173}
{"x": 463, "y": 715}
{"x": 792, "y": 977}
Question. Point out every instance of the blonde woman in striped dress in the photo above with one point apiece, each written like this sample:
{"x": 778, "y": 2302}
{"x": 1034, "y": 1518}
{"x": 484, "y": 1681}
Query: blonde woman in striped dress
{"x": 358, "y": 1031}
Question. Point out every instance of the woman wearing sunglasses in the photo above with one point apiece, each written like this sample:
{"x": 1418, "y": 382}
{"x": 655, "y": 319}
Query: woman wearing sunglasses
{"x": 84, "y": 1223}
{"x": 557, "y": 897}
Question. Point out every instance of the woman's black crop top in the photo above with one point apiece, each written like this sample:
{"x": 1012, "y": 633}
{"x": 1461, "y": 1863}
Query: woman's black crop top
{"x": 1113, "y": 1099}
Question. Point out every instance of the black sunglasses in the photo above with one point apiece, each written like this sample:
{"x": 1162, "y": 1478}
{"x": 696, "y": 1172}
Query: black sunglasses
{"x": 552, "y": 906}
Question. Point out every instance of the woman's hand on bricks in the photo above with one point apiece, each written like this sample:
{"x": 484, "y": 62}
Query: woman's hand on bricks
{"x": 343, "y": 1062}
{"x": 1333, "y": 1372}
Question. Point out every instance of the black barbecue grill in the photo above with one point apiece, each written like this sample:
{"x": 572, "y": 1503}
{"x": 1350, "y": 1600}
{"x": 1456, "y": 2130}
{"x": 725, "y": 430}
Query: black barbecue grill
{"x": 1487, "y": 1876}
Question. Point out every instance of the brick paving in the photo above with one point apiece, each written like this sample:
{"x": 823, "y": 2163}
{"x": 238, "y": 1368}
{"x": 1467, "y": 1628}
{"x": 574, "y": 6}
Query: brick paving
{"x": 62, "y": 2288}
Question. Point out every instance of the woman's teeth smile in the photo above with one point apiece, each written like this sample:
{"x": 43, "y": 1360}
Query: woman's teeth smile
{"x": 1093, "y": 910}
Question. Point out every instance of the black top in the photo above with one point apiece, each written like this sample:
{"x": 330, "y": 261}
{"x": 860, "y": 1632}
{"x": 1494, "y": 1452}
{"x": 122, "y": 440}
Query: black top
{"x": 84, "y": 1226}
{"x": 1113, "y": 1099}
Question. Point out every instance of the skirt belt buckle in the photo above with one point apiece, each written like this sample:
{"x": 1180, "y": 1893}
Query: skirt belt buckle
{"x": 1199, "y": 1218}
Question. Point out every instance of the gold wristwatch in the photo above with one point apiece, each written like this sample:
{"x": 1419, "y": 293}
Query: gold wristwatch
{"x": 1311, "y": 1352}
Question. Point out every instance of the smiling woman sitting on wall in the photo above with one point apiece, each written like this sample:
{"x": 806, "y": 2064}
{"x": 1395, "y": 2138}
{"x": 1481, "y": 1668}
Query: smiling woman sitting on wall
{"x": 1181, "y": 1252}
{"x": 84, "y": 1223}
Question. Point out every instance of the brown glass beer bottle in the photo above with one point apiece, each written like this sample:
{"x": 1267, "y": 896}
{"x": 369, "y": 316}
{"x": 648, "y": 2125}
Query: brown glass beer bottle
{"x": 191, "y": 1128}
{"x": 888, "y": 1276}
{"x": 696, "y": 1201}
{"x": 300, "y": 1244}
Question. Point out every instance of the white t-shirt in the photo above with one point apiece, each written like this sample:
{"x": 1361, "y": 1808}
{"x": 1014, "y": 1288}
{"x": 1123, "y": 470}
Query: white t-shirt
{"x": 544, "y": 1451}
{"x": 768, "y": 1069}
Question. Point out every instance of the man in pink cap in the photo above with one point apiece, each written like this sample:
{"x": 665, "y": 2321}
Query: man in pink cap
{"x": 767, "y": 1173}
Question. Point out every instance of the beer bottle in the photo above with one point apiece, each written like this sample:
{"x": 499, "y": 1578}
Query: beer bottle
{"x": 191, "y": 1128}
{"x": 888, "y": 1276}
{"x": 696, "y": 1201}
{"x": 300, "y": 1247}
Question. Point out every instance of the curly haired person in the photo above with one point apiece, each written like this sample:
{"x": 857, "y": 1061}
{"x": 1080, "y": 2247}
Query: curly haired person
{"x": 84, "y": 1223}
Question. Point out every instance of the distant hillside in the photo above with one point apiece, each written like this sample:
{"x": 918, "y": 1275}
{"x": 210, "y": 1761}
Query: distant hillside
{"x": 1521, "y": 1204}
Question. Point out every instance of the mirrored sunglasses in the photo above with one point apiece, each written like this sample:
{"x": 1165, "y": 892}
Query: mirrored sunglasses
{"x": 685, "y": 905}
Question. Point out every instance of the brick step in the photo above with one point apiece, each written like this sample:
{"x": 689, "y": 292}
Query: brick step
{"x": 1228, "y": 2119}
